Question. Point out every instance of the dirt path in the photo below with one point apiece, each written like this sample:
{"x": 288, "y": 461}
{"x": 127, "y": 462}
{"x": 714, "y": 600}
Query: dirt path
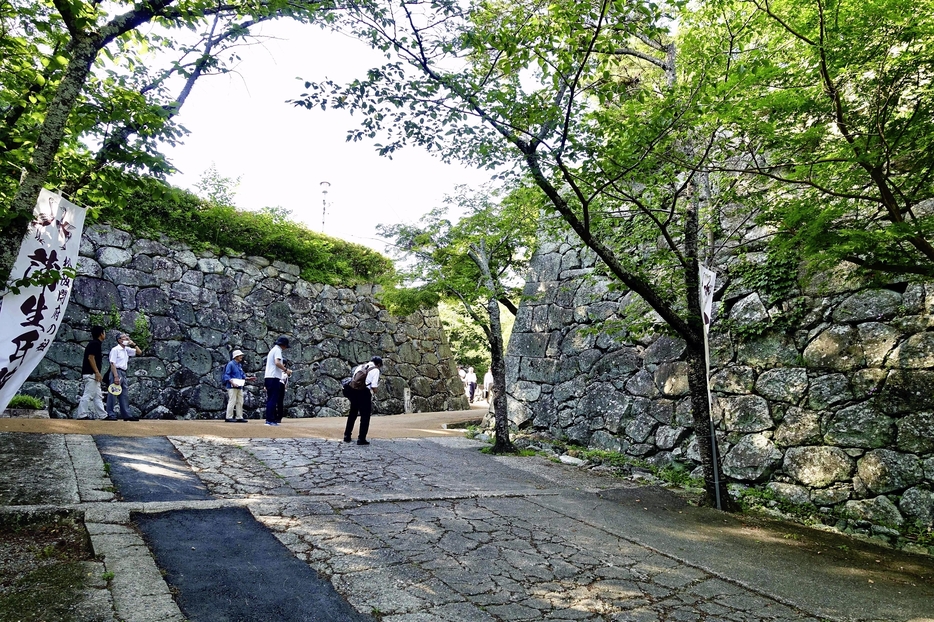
{"x": 415, "y": 425}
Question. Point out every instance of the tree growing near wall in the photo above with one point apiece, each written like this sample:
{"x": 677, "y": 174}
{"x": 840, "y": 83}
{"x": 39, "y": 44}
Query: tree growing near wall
{"x": 474, "y": 263}
{"x": 832, "y": 105}
{"x": 79, "y": 103}
{"x": 583, "y": 98}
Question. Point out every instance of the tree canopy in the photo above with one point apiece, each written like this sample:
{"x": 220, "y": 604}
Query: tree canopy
{"x": 476, "y": 263}
{"x": 831, "y": 105}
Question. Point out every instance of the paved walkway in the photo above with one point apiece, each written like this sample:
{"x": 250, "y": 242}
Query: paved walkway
{"x": 421, "y": 527}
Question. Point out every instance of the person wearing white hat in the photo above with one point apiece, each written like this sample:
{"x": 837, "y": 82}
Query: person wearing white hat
{"x": 234, "y": 379}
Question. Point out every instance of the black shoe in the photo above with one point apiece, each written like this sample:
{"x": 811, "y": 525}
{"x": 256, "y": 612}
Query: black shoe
{"x": 131, "y": 419}
{"x": 229, "y": 420}
{"x": 363, "y": 441}
{"x": 347, "y": 439}
{"x": 109, "y": 419}
{"x": 241, "y": 420}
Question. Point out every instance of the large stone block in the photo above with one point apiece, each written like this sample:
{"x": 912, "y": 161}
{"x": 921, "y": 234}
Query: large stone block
{"x": 111, "y": 256}
{"x": 195, "y": 358}
{"x": 878, "y": 510}
{"x": 604, "y": 401}
{"x": 877, "y": 340}
{"x": 166, "y": 270}
{"x": 770, "y": 350}
{"x": 664, "y": 349}
{"x": 749, "y": 311}
{"x": 618, "y": 365}
{"x": 737, "y": 379}
{"x": 95, "y": 294}
{"x": 869, "y": 304}
{"x": 907, "y": 391}
{"x": 127, "y": 276}
{"x": 785, "y": 384}
{"x": 668, "y": 437}
{"x": 790, "y": 492}
{"x": 745, "y": 413}
{"x": 884, "y": 470}
{"x": 751, "y": 459}
{"x": 835, "y": 348}
{"x": 640, "y": 428}
{"x": 825, "y": 391}
{"x": 916, "y": 433}
{"x": 672, "y": 379}
{"x": 917, "y": 505}
{"x": 799, "y": 427}
{"x": 642, "y": 384}
{"x": 916, "y": 353}
{"x": 817, "y": 466}
{"x": 539, "y": 370}
{"x": 859, "y": 426}
{"x": 528, "y": 345}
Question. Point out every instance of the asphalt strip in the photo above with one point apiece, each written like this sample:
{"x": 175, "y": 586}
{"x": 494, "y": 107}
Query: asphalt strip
{"x": 149, "y": 469}
{"x": 227, "y": 567}
{"x": 222, "y": 564}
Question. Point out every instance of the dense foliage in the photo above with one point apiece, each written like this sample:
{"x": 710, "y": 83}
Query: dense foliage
{"x": 475, "y": 265}
{"x": 158, "y": 208}
{"x": 830, "y": 104}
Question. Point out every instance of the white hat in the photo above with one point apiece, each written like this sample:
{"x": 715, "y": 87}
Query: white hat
{"x": 235, "y": 354}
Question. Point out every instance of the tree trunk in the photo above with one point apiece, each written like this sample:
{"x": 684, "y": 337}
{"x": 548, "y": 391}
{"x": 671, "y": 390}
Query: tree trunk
{"x": 503, "y": 444}
{"x": 714, "y": 484}
{"x": 83, "y": 51}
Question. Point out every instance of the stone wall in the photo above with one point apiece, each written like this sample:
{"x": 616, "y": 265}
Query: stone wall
{"x": 838, "y": 413}
{"x": 200, "y": 307}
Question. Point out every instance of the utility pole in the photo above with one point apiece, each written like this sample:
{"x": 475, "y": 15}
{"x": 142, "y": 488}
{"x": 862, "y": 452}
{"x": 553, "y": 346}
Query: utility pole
{"x": 324, "y": 202}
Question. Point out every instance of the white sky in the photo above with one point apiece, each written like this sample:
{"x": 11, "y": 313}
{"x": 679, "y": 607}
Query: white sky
{"x": 241, "y": 123}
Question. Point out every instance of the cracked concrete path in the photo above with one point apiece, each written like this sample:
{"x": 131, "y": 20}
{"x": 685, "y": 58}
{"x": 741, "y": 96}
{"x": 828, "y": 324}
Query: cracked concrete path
{"x": 429, "y": 529}
{"x": 433, "y": 530}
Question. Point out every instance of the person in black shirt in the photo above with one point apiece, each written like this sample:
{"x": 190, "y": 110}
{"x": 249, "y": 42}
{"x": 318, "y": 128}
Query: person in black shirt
{"x": 91, "y": 405}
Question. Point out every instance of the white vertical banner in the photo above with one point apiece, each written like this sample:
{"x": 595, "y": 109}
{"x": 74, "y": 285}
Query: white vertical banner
{"x": 708, "y": 281}
{"x": 30, "y": 319}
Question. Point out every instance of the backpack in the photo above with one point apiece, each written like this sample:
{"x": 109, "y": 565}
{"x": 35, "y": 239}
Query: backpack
{"x": 357, "y": 382}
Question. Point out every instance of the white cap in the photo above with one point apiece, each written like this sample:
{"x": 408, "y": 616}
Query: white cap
{"x": 235, "y": 354}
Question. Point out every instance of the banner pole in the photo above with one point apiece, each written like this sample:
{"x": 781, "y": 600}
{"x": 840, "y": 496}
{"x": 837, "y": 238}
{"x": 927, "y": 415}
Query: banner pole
{"x": 708, "y": 279}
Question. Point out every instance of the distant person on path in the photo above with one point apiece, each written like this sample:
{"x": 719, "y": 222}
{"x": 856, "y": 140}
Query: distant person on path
{"x": 361, "y": 400}
{"x": 119, "y": 358}
{"x": 91, "y": 405}
{"x": 276, "y": 374}
{"x": 471, "y": 380}
{"x": 234, "y": 379}
{"x": 487, "y": 384}
{"x": 463, "y": 376}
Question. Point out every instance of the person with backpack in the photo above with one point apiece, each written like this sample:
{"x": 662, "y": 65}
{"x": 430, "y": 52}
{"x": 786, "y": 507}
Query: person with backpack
{"x": 360, "y": 391}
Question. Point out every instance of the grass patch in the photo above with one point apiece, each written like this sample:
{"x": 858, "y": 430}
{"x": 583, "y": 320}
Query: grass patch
{"x": 26, "y": 402}
{"x": 42, "y": 574}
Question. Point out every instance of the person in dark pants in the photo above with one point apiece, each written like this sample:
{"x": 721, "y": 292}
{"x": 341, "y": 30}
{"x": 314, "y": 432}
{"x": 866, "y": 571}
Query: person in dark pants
{"x": 361, "y": 401}
{"x": 275, "y": 377}
{"x": 119, "y": 358}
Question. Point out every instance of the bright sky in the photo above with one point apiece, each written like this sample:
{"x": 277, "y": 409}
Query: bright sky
{"x": 241, "y": 123}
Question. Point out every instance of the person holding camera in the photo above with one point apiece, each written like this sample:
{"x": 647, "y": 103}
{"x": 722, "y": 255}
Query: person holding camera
{"x": 119, "y": 358}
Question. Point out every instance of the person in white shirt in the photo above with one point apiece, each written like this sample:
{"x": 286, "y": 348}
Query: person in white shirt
{"x": 119, "y": 358}
{"x": 487, "y": 384}
{"x": 276, "y": 373}
{"x": 361, "y": 401}
{"x": 471, "y": 380}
